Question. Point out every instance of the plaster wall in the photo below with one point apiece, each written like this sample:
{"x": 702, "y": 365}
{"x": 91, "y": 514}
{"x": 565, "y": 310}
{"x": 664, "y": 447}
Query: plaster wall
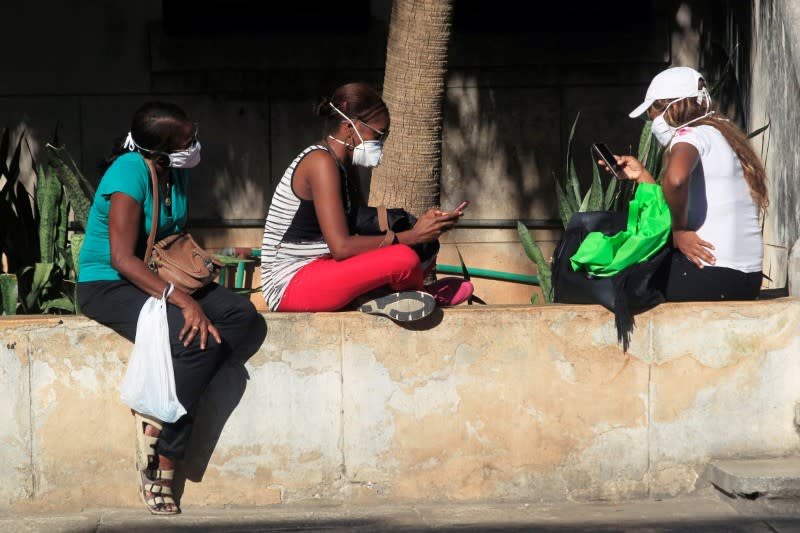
{"x": 523, "y": 403}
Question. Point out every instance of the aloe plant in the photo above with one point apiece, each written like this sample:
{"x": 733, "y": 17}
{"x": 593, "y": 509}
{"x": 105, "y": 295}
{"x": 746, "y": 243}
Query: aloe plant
{"x": 571, "y": 200}
{"x": 79, "y": 191}
{"x": 42, "y": 260}
{"x": 18, "y": 236}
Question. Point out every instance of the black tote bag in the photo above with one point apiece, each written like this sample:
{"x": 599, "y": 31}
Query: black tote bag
{"x": 631, "y": 291}
{"x": 368, "y": 222}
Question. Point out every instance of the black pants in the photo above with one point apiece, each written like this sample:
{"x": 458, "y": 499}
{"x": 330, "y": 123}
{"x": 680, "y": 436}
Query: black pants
{"x": 683, "y": 281}
{"x": 116, "y": 304}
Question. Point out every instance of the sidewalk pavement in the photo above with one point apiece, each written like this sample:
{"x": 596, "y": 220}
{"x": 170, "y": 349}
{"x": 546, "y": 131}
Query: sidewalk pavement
{"x": 704, "y": 511}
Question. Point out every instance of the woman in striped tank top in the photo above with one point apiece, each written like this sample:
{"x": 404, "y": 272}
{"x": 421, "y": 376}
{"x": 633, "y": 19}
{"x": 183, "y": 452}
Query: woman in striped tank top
{"x": 310, "y": 258}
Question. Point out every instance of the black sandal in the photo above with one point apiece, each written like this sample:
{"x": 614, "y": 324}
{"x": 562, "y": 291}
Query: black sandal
{"x": 157, "y": 495}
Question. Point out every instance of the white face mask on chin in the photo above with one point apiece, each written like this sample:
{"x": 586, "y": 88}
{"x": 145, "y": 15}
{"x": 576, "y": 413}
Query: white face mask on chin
{"x": 664, "y": 133}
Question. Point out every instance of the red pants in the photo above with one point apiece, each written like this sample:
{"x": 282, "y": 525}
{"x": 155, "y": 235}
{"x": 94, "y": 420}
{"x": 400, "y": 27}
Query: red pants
{"x": 326, "y": 284}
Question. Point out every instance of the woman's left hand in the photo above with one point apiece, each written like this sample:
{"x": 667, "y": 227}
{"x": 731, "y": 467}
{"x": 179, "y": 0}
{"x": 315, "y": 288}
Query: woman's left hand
{"x": 431, "y": 225}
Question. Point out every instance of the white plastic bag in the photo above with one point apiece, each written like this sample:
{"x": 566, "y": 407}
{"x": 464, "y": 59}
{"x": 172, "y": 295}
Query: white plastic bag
{"x": 149, "y": 383}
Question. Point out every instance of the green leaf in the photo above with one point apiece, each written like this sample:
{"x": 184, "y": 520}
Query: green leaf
{"x": 75, "y": 245}
{"x": 608, "y": 200}
{"x": 573, "y": 187}
{"x": 534, "y": 253}
{"x": 40, "y": 283}
{"x": 13, "y": 167}
{"x": 645, "y": 138}
{"x": 5, "y": 143}
{"x": 569, "y": 167}
{"x": 48, "y": 195}
{"x": 464, "y": 269}
{"x": 63, "y": 303}
{"x": 564, "y": 208}
{"x": 9, "y": 294}
{"x": 80, "y": 192}
{"x": 595, "y": 193}
{"x": 759, "y": 131}
{"x": 245, "y": 291}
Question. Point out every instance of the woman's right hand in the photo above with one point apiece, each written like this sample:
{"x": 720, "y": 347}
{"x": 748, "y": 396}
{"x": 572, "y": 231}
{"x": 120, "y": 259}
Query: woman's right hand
{"x": 693, "y": 247}
{"x": 431, "y": 224}
{"x": 194, "y": 320}
{"x": 632, "y": 168}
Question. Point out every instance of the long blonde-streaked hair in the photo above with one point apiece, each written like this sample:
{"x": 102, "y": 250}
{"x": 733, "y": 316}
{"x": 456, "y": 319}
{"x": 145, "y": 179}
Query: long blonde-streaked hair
{"x": 688, "y": 109}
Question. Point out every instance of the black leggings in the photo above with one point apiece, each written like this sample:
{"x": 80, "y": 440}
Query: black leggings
{"x": 683, "y": 281}
{"x": 116, "y": 304}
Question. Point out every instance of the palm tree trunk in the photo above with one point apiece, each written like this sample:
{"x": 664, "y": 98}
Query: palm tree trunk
{"x": 413, "y": 89}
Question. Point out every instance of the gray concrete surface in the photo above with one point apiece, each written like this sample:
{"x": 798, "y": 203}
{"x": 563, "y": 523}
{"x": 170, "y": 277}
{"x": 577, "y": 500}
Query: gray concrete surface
{"x": 704, "y": 511}
{"x": 772, "y": 478}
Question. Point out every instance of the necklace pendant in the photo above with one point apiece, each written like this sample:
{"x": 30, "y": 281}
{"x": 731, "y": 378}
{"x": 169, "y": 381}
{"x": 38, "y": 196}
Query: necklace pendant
{"x": 168, "y": 201}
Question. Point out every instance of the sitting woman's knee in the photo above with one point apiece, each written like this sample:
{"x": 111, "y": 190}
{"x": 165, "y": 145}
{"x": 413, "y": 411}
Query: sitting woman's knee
{"x": 404, "y": 257}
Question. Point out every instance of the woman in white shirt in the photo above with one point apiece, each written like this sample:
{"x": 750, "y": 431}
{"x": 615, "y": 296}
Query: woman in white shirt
{"x": 715, "y": 186}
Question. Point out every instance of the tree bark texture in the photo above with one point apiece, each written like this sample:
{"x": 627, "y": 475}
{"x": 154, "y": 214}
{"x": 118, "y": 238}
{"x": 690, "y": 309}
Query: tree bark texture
{"x": 413, "y": 89}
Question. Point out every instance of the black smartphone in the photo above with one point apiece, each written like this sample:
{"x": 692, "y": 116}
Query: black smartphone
{"x": 607, "y": 156}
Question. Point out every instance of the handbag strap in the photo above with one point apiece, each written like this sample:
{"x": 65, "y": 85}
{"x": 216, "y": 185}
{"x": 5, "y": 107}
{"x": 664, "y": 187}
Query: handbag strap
{"x": 383, "y": 218}
{"x": 151, "y": 239}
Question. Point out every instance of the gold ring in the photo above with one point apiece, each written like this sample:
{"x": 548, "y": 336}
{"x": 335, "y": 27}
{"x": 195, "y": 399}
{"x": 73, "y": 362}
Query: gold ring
{"x": 195, "y": 328}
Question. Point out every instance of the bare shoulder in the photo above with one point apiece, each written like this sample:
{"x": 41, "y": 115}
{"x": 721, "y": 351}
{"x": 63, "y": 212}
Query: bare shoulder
{"x": 318, "y": 164}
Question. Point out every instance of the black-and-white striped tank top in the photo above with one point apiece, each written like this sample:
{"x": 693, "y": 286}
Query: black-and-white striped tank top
{"x": 292, "y": 238}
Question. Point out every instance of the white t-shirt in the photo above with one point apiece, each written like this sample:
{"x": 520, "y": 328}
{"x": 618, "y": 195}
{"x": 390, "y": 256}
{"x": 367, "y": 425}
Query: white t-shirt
{"x": 721, "y": 209}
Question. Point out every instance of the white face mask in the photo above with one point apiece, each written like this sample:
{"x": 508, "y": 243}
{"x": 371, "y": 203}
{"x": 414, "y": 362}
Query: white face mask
{"x": 664, "y": 133}
{"x": 368, "y": 154}
{"x": 188, "y": 158}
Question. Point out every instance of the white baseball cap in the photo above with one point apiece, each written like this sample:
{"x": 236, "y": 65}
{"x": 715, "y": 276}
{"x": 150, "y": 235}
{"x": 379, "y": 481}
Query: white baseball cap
{"x": 675, "y": 82}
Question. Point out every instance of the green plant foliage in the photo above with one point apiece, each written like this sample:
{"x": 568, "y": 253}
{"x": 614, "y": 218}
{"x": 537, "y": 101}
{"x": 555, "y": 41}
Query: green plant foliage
{"x": 17, "y": 221}
{"x": 79, "y": 191}
{"x": 8, "y": 294}
{"x": 34, "y": 236}
{"x": 49, "y": 195}
{"x": 615, "y": 196}
{"x": 534, "y": 253}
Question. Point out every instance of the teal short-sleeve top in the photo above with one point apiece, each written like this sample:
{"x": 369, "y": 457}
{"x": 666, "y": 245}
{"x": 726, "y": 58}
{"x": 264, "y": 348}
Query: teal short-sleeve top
{"x": 128, "y": 174}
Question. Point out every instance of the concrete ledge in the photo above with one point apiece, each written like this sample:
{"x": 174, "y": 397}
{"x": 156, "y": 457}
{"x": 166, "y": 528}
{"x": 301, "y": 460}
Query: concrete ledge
{"x": 772, "y": 478}
{"x": 534, "y": 403}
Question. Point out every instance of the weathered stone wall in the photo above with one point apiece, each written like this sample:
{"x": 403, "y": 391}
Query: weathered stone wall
{"x": 521, "y": 403}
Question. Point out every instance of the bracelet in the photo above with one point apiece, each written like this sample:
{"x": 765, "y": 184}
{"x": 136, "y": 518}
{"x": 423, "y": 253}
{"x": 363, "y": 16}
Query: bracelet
{"x": 389, "y": 238}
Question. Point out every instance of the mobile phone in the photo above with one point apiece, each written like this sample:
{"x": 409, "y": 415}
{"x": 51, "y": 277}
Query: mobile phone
{"x": 462, "y": 206}
{"x": 608, "y": 158}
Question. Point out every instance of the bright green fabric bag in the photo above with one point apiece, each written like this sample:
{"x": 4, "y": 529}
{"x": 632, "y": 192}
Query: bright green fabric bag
{"x": 648, "y": 228}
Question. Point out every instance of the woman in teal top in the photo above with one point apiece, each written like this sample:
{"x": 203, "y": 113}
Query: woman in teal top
{"x": 114, "y": 282}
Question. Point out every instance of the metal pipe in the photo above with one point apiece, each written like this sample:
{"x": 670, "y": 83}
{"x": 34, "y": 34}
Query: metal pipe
{"x": 489, "y": 274}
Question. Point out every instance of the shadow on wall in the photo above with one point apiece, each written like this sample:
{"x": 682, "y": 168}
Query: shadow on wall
{"x": 215, "y": 408}
{"x": 505, "y": 135}
{"x": 492, "y": 138}
{"x": 715, "y": 38}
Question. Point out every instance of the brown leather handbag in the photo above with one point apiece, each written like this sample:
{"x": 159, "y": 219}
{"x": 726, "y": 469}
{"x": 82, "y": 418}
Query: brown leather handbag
{"x": 178, "y": 258}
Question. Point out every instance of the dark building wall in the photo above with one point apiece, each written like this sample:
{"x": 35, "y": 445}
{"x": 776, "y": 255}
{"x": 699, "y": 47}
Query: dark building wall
{"x": 520, "y": 73}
